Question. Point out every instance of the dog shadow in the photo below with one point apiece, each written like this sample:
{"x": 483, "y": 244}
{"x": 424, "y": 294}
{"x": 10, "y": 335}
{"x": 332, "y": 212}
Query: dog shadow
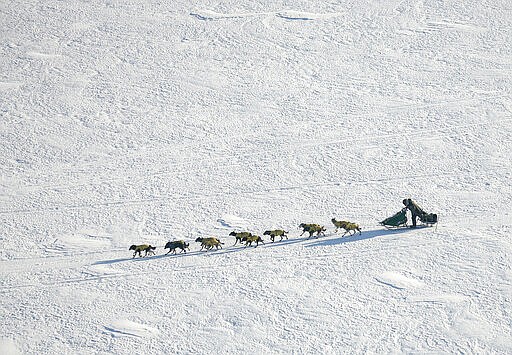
{"x": 136, "y": 259}
{"x": 357, "y": 237}
{"x": 152, "y": 257}
{"x": 313, "y": 242}
{"x": 291, "y": 240}
{"x": 112, "y": 261}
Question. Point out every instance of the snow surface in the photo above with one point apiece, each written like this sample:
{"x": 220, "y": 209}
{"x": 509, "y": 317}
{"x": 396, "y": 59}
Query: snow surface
{"x": 130, "y": 122}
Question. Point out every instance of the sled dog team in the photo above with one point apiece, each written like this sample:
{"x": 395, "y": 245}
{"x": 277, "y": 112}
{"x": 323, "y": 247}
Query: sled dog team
{"x": 247, "y": 238}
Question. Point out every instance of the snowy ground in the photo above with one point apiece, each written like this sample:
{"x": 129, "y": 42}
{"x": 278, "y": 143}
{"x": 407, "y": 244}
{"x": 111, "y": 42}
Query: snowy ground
{"x": 130, "y": 122}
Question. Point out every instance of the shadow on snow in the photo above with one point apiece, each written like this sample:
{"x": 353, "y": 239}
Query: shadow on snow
{"x": 314, "y": 242}
{"x": 357, "y": 237}
{"x": 161, "y": 256}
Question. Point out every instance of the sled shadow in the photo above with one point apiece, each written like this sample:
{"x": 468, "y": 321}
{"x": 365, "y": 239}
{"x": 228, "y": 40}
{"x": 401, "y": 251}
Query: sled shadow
{"x": 358, "y": 237}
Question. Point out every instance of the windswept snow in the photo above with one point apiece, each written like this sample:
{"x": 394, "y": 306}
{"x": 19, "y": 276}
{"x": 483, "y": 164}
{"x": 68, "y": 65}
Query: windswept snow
{"x": 9, "y": 347}
{"x": 132, "y": 329}
{"x": 129, "y": 122}
{"x": 398, "y": 281}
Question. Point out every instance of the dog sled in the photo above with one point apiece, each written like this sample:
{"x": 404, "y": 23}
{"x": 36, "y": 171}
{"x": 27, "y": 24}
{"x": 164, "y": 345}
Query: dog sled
{"x": 399, "y": 220}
